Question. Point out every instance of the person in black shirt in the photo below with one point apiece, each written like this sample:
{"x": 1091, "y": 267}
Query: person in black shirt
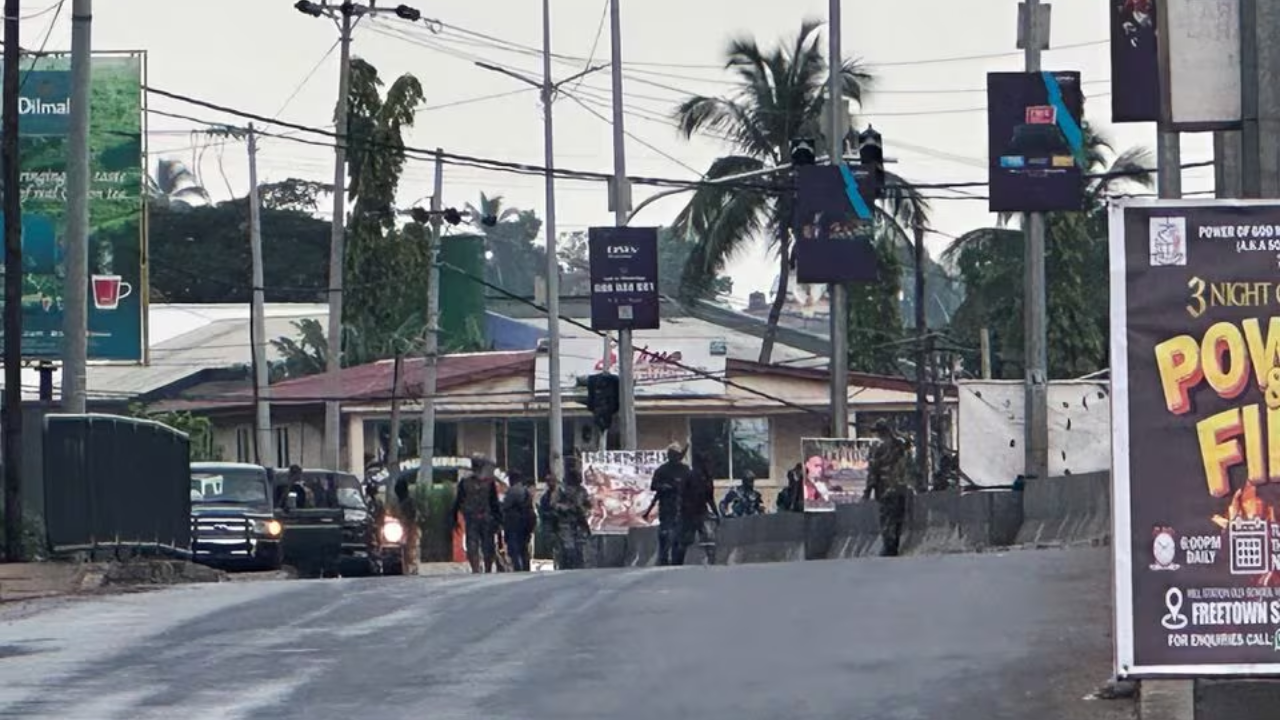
{"x": 698, "y": 513}
{"x": 668, "y": 484}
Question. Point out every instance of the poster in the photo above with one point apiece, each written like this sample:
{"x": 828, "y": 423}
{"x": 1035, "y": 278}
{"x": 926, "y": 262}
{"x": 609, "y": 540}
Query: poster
{"x": 624, "y": 278}
{"x": 834, "y": 235}
{"x": 1200, "y": 63}
{"x": 1035, "y": 141}
{"x": 835, "y": 472}
{"x": 117, "y": 284}
{"x": 618, "y": 481}
{"x": 1196, "y": 436}
{"x": 1135, "y": 61}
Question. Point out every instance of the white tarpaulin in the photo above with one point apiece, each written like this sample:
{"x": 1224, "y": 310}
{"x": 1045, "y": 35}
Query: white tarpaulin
{"x": 991, "y": 429}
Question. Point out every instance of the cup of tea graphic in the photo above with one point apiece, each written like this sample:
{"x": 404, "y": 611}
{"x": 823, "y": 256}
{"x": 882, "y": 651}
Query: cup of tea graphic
{"x": 109, "y": 290}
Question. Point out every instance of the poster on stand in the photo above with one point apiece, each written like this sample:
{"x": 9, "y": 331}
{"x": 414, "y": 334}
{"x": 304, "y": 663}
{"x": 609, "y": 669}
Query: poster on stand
{"x": 618, "y": 481}
{"x": 835, "y": 472}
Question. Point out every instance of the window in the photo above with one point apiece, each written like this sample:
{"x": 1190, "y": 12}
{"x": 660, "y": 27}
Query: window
{"x": 524, "y": 446}
{"x": 732, "y": 446}
{"x": 283, "y": 457}
{"x": 446, "y": 438}
{"x": 244, "y": 444}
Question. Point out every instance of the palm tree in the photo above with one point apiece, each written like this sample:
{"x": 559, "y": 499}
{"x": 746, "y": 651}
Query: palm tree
{"x": 490, "y": 207}
{"x": 990, "y": 262}
{"x": 781, "y": 95}
{"x": 176, "y": 186}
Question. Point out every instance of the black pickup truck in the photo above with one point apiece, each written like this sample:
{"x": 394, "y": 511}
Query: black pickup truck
{"x": 233, "y": 523}
{"x": 368, "y": 543}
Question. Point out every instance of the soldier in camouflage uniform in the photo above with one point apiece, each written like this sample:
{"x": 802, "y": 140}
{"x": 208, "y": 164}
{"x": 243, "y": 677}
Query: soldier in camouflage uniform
{"x": 572, "y": 506}
{"x": 887, "y": 480}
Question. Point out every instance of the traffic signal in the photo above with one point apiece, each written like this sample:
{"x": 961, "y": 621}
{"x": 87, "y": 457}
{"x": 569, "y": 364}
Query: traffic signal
{"x": 803, "y": 152}
{"x": 871, "y": 155}
{"x": 603, "y": 398}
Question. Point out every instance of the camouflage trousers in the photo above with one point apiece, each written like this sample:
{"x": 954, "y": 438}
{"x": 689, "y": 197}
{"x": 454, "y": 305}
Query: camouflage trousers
{"x": 893, "y": 514}
{"x": 571, "y": 549}
{"x": 411, "y": 554}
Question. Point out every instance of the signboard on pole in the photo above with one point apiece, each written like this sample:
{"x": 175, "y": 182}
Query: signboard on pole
{"x": 1035, "y": 142}
{"x": 835, "y": 472}
{"x": 618, "y": 482}
{"x": 624, "y": 278}
{"x": 835, "y": 230}
{"x": 1135, "y": 61}
{"x": 117, "y": 289}
{"x": 1195, "y": 347}
{"x": 1199, "y": 65}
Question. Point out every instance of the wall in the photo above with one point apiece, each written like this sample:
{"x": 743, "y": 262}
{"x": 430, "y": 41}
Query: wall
{"x": 306, "y": 439}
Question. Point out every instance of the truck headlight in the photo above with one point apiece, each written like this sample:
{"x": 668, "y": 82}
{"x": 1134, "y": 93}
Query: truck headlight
{"x": 271, "y": 528}
{"x": 392, "y": 531}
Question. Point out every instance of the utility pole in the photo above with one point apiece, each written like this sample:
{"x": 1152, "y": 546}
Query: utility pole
{"x": 1036, "y": 410}
{"x": 75, "y": 319}
{"x": 431, "y": 343}
{"x": 556, "y": 422}
{"x": 984, "y": 350}
{"x": 258, "y": 323}
{"x": 12, "y": 287}
{"x": 622, "y": 197}
{"x": 922, "y": 333}
{"x": 1251, "y": 128}
{"x": 337, "y": 249}
{"x": 837, "y": 292}
{"x": 393, "y": 445}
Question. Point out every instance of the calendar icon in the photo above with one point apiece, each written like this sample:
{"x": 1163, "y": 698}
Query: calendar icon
{"x": 1250, "y": 546}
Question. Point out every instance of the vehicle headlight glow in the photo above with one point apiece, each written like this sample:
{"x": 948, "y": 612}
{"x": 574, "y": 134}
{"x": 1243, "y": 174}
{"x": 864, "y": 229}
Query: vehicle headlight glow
{"x": 392, "y": 531}
{"x": 271, "y": 528}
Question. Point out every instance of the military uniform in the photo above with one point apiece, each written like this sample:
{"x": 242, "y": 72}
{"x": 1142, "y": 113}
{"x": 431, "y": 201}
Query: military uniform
{"x": 572, "y": 506}
{"x": 742, "y": 502}
{"x": 887, "y": 481}
{"x": 477, "y": 501}
{"x": 668, "y": 485}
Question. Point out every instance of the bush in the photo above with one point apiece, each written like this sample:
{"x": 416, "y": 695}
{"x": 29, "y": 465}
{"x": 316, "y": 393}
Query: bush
{"x": 34, "y": 547}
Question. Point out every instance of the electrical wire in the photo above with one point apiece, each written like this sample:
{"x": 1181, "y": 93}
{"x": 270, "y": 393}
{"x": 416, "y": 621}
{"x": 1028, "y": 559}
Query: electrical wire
{"x": 48, "y": 33}
{"x": 307, "y": 78}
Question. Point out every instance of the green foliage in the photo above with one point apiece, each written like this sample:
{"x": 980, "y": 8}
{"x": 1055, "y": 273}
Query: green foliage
{"x": 197, "y": 428}
{"x": 781, "y": 94}
{"x": 516, "y": 262}
{"x": 875, "y": 318}
{"x": 990, "y": 261}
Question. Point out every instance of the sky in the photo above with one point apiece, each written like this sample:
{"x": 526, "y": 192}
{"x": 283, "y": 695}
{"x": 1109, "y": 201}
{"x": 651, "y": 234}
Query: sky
{"x": 930, "y": 59}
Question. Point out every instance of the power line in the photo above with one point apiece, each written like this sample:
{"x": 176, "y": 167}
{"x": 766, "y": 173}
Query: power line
{"x": 307, "y": 78}
{"x": 48, "y": 33}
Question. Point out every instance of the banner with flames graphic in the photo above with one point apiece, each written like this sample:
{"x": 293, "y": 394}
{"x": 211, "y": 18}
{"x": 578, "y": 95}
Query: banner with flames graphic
{"x": 1195, "y": 348}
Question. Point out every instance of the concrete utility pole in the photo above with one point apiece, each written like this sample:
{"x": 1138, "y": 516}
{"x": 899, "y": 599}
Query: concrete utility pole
{"x": 431, "y": 343}
{"x": 1251, "y": 128}
{"x": 75, "y": 318}
{"x": 337, "y": 249}
{"x": 1036, "y": 371}
{"x": 548, "y": 90}
{"x": 837, "y": 293}
{"x": 12, "y": 286}
{"x": 622, "y": 196}
{"x": 922, "y": 333}
{"x": 265, "y": 449}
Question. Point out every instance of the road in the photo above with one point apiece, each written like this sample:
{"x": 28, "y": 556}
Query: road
{"x": 979, "y": 637}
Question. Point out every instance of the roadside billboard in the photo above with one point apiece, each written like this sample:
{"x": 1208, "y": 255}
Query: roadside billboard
{"x": 835, "y": 230}
{"x": 624, "y": 278}
{"x": 117, "y": 283}
{"x": 1195, "y": 347}
{"x": 1135, "y": 61}
{"x": 1035, "y": 141}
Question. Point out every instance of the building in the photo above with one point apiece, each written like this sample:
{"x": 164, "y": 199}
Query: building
{"x": 698, "y": 382}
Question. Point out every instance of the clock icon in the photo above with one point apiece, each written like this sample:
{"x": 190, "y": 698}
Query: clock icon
{"x": 1164, "y": 548}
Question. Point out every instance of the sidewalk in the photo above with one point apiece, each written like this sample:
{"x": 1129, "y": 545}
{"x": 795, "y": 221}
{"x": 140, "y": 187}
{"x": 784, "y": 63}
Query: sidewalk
{"x": 30, "y": 581}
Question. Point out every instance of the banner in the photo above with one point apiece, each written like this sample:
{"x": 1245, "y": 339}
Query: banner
{"x": 835, "y": 472}
{"x": 1195, "y": 348}
{"x": 1135, "y": 61}
{"x": 661, "y": 367}
{"x": 618, "y": 481}
{"x": 835, "y": 232}
{"x": 624, "y": 278}
{"x": 1035, "y": 142}
{"x": 1200, "y": 60}
{"x": 117, "y": 286}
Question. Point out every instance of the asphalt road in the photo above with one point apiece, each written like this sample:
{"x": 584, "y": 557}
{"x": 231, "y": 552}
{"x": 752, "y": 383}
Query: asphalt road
{"x": 981, "y": 637}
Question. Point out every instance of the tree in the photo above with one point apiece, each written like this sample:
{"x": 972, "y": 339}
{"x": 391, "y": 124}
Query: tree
{"x": 515, "y": 262}
{"x": 875, "y": 313}
{"x": 199, "y": 430}
{"x": 990, "y": 261}
{"x": 781, "y": 95}
{"x": 175, "y": 186}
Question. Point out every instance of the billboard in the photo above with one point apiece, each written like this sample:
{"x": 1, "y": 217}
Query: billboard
{"x": 835, "y": 231}
{"x": 624, "y": 278}
{"x": 117, "y": 283}
{"x": 1035, "y": 141}
{"x": 1135, "y": 61}
{"x": 618, "y": 482}
{"x": 1195, "y": 347}
{"x": 661, "y": 367}
{"x": 835, "y": 472}
{"x": 1200, "y": 64}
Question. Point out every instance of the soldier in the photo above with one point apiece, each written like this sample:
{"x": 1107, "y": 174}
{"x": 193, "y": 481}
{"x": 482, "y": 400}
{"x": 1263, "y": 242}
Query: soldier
{"x": 477, "y": 500}
{"x": 887, "y": 479}
{"x": 407, "y": 513}
{"x": 550, "y": 524}
{"x": 668, "y": 482}
{"x": 573, "y": 506}
{"x": 743, "y": 500}
{"x": 698, "y": 514}
{"x": 518, "y": 521}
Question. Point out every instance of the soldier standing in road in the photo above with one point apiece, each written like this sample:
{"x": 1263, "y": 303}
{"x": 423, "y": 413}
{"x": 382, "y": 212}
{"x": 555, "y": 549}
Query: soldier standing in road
{"x": 743, "y": 500}
{"x": 407, "y": 513}
{"x": 887, "y": 480}
{"x": 518, "y": 522}
{"x": 477, "y": 500}
{"x": 698, "y": 514}
{"x": 573, "y": 507}
{"x": 550, "y": 529}
{"x": 668, "y": 481}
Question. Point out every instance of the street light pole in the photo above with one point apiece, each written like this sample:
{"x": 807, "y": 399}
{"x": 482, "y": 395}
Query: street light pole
{"x": 1036, "y": 400}
{"x": 839, "y": 301}
{"x": 622, "y": 196}
{"x": 75, "y": 321}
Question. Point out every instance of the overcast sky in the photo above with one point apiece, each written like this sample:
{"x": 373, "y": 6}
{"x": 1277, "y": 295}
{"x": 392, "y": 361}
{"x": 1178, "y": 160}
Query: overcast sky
{"x": 930, "y": 58}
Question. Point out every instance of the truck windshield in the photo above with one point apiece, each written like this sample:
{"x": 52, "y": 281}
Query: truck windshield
{"x": 248, "y": 487}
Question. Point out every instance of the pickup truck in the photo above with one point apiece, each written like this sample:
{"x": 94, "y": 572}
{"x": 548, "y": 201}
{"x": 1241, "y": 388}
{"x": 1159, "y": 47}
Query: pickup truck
{"x": 233, "y": 523}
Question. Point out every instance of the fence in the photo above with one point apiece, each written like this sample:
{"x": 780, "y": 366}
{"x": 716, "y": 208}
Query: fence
{"x": 115, "y": 481}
